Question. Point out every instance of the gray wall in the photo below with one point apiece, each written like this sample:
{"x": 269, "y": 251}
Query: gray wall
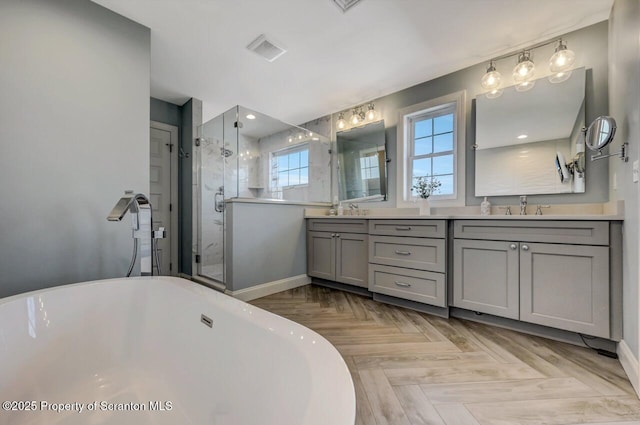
{"x": 166, "y": 112}
{"x": 624, "y": 98}
{"x": 265, "y": 243}
{"x": 74, "y": 134}
{"x": 590, "y": 45}
{"x": 191, "y": 118}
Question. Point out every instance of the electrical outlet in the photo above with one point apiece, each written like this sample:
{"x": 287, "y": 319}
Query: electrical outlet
{"x": 636, "y": 171}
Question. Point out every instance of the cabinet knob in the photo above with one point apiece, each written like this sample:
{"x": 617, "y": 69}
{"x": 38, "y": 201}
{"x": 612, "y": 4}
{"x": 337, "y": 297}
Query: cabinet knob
{"x": 513, "y": 246}
{"x": 525, "y": 247}
{"x": 337, "y": 235}
{"x": 333, "y": 235}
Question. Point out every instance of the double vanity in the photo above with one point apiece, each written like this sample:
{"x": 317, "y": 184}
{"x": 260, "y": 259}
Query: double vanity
{"x": 538, "y": 274}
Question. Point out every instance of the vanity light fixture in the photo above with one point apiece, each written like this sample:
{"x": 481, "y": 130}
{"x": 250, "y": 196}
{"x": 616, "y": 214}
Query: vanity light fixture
{"x": 525, "y": 68}
{"x": 562, "y": 59}
{"x": 560, "y": 65}
{"x": 371, "y": 112}
{"x": 491, "y": 80}
{"x": 358, "y": 116}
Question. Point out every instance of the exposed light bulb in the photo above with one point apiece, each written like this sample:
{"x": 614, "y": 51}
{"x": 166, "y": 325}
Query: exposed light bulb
{"x": 371, "y": 112}
{"x": 491, "y": 79}
{"x": 290, "y": 139}
{"x": 525, "y": 85}
{"x": 355, "y": 119}
{"x": 562, "y": 59}
{"x": 341, "y": 123}
{"x": 493, "y": 94}
{"x": 559, "y": 77}
{"x": 525, "y": 68}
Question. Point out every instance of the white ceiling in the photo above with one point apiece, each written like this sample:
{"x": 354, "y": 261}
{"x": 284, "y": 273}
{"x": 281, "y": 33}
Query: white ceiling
{"x": 335, "y": 60}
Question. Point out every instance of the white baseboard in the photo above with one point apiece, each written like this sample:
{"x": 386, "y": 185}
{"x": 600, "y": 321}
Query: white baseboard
{"x": 269, "y": 288}
{"x": 630, "y": 365}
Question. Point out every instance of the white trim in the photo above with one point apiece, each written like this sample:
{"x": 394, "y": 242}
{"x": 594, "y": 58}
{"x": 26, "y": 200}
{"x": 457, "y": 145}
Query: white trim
{"x": 402, "y": 185}
{"x": 630, "y": 365}
{"x": 173, "y": 214}
{"x": 269, "y": 288}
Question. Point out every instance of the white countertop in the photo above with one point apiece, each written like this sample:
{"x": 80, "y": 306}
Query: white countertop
{"x": 578, "y": 212}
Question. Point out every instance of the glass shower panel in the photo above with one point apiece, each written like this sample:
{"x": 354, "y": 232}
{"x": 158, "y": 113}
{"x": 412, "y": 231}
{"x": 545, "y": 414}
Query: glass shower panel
{"x": 216, "y": 181}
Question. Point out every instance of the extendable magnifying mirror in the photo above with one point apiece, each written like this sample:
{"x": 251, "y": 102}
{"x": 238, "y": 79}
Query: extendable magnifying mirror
{"x": 599, "y": 134}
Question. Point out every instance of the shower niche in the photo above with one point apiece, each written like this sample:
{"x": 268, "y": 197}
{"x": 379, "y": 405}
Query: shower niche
{"x": 245, "y": 156}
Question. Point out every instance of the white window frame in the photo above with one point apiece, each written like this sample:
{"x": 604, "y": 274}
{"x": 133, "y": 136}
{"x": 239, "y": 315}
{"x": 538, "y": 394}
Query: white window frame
{"x": 404, "y": 180}
{"x": 287, "y": 151}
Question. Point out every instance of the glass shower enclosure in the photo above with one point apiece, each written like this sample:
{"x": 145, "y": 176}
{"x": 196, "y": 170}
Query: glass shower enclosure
{"x": 245, "y": 155}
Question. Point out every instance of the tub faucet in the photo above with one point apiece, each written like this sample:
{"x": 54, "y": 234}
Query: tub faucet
{"x": 141, "y": 223}
{"x": 523, "y": 205}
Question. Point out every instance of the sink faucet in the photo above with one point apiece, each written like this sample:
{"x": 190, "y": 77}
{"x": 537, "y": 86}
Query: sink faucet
{"x": 354, "y": 207}
{"x": 523, "y": 205}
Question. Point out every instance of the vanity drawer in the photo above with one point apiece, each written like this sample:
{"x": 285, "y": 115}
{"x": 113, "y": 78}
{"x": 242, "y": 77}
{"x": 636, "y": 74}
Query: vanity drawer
{"x": 415, "y": 285}
{"x": 413, "y": 253}
{"x": 567, "y": 232}
{"x": 425, "y": 228}
{"x": 337, "y": 225}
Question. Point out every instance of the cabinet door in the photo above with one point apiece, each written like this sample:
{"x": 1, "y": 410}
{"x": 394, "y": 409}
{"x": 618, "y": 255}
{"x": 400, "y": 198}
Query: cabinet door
{"x": 566, "y": 287}
{"x": 485, "y": 277}
{"x": 352, "y": 259}
{"x": 321, "y": 254}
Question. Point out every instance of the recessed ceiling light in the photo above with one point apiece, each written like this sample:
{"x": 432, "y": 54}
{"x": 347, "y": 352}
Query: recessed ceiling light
{"x": 251, "y": 117}
{"x": 522, "y": 136}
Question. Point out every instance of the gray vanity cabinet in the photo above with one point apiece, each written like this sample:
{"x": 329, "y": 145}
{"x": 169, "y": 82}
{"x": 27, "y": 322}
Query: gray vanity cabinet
{"x": 407, "y": 260}
{"x": 486, "y": 277}
{"x": 336, "y": 255}
{"x": 565, "y": 286}
{"x": 522, "y": 271}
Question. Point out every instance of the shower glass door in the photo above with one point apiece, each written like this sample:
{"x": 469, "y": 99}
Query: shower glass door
{"x": 217, "y": 181}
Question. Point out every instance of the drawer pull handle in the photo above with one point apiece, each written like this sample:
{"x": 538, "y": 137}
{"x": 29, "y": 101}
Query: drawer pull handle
{"x": 403, "y": 228}
{"x": 404, "y": 285}
{"x": 403, "y": 253}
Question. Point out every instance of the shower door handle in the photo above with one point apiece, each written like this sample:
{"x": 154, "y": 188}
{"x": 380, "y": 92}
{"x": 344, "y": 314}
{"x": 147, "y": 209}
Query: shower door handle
{"x": 218, "y": 204}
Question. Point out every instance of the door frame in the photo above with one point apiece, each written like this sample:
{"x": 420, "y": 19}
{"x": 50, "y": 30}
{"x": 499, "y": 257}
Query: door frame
{"x": 175, "y": 237}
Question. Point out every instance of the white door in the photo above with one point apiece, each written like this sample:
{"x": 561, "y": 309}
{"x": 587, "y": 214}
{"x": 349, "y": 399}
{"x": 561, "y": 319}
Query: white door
{"x": 163, "y": 193}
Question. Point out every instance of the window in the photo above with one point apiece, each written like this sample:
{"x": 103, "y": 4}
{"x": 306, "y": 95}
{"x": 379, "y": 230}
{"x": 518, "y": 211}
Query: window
{"x": 289, "y": 168}
{"x": 431, "y": 148}
{"x": 432, "y": 136}
{"x": 369, "y": 168}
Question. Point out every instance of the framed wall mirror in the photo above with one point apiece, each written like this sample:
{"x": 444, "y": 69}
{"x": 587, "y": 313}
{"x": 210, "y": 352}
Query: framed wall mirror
{"x": 362, "y": 163}
{"x": 525, "y": 139}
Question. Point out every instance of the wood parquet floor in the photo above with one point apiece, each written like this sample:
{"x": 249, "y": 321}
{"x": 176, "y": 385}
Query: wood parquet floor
{"x": 410, "y": 368}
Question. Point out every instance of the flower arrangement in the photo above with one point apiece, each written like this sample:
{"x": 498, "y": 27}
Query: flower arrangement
{"x": 426, "y": 186}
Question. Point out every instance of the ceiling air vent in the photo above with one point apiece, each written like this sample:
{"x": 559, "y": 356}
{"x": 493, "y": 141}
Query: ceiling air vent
{"x": 265, "y": 48}
{"x": 346, "y": 4}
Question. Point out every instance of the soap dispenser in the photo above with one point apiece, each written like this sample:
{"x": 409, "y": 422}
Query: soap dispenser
{"x": 340, "y": 209}
{"x": 485, "y": 207}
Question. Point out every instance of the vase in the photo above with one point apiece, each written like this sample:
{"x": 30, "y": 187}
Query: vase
{"x": 423, "y": 204}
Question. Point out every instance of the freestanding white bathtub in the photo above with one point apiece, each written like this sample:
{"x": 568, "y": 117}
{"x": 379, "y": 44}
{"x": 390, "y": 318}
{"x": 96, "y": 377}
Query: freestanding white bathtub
{"x": 136, "y": 351}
